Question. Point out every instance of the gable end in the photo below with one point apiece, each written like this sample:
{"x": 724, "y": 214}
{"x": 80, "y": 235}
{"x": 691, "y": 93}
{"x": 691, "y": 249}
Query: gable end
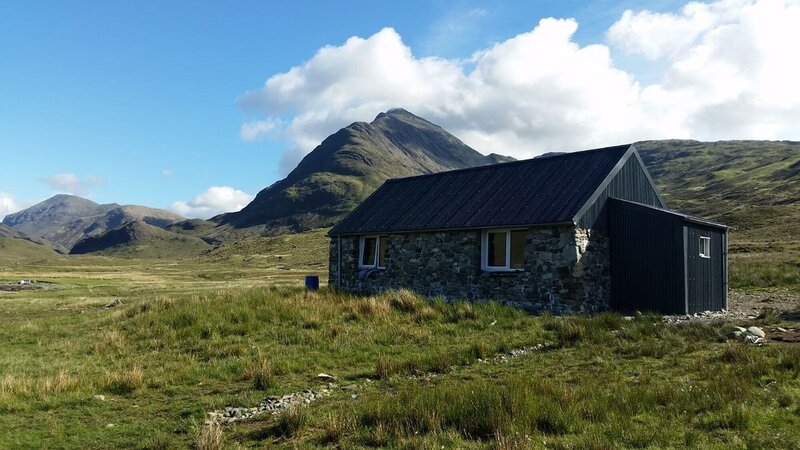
{"x": 628, "y": 180}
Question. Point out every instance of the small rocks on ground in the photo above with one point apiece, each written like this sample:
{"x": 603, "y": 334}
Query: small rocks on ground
{"x": 114, "y": 303}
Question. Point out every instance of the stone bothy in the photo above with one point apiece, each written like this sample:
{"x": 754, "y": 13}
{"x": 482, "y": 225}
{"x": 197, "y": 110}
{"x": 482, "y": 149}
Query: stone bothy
{"x": 535, "y": 233}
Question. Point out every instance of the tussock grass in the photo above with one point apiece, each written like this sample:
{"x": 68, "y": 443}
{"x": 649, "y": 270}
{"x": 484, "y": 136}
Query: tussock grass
{"x": 261, "y": 374}
{"x": 209, "y": 437}
{"x": 26, "y": 387}
{"x": 123, "y": 382}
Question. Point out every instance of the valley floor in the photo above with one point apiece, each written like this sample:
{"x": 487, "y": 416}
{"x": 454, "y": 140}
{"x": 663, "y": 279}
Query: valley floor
{"x": 136, "y": 353}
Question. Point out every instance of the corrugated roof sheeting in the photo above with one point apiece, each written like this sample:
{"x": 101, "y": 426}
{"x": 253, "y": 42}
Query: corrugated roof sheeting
{"x": 541, "y": 190}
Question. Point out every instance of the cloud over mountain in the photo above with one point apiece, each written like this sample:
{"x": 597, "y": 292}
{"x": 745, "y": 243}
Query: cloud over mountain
{"x": 69, "y": 183}
{"x": 215, "y": 200}
{"x": 726, "y": 70}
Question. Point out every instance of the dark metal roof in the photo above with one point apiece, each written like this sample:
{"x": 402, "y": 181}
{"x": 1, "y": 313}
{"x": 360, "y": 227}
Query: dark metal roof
{"x": 543, "y": 190}
{"x": 675, "y": 214}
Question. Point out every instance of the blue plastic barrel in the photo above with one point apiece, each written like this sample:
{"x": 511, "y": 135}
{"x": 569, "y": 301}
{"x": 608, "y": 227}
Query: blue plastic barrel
{"x": 312, "y": 282}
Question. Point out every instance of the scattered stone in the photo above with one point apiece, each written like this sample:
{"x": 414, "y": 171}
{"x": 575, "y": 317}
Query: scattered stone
{"x": 755, "y": 331}
{"x": 114, "y": 303}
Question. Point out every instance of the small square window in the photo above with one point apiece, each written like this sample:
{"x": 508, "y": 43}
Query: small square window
{"x": 372, "y": 252}
{"x": 705, "y": 247}
{"x": 503, "y": 250}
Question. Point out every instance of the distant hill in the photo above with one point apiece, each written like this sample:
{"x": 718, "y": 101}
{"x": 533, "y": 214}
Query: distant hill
{"x": 63, "y": 220}
{"x": 753, "y": 186}
{"x": 16, "y": 248}
{"x": 348, "y": 166}
{"x": 142, "y": 240}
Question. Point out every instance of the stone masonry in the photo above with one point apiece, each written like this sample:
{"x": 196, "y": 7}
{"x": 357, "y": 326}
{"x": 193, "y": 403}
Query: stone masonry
{"x": 566, "y": 269}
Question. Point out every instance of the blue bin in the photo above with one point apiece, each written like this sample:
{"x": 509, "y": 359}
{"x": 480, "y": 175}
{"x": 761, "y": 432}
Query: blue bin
{"x": 312, "y": 282}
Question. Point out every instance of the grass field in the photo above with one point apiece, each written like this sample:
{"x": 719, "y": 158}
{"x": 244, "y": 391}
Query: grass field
{"x": 232, "y": 327}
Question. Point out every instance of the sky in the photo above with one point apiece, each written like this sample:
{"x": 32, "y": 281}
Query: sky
{"x": 195, "y": 106}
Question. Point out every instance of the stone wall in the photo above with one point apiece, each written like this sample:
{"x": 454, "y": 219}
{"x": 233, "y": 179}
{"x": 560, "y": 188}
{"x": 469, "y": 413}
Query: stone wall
{"x": 566, "y": 270}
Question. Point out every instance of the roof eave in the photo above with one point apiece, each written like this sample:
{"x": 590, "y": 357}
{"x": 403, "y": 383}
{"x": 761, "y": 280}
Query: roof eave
{"x": 439, "y": 230}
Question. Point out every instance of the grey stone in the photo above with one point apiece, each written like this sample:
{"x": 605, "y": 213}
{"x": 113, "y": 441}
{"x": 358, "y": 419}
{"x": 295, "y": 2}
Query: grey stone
{"x": 566, "y": 269}
{"x": 755, "y": 331}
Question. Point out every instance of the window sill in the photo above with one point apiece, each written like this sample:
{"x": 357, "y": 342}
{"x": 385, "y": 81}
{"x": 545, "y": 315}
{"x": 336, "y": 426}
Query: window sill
{"x": 503, "y": 273}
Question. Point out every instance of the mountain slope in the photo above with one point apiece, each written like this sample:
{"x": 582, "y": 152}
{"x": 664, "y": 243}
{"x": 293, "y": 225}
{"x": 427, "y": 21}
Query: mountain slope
{"x": 63, "y": 220}
{"x": 348, "y": 166}
{"x": 142, "y": 240}
{"x": 16, "y": 248}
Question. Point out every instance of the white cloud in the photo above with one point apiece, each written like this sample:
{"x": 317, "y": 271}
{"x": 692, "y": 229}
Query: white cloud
{"x": 735, "y": 79}
{"x": 215, "y": 200}
{"x": 8, "y": 205}
{"x": 69, "y": 183}
{"x": 729, "y": 72}
{"x": 253, "y": 130}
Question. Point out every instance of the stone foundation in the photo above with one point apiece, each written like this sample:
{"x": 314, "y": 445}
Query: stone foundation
{"x": 566, "y": 269}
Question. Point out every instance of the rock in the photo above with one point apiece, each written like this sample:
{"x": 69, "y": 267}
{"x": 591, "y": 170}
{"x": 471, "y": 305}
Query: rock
{"x": 116, "y": 302}
{"x": 755, "y": 331}
{"x": 326, "y": 377}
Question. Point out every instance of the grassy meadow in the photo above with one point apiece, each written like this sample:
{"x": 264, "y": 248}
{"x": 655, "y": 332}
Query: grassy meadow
{"x": 233, "y": 326}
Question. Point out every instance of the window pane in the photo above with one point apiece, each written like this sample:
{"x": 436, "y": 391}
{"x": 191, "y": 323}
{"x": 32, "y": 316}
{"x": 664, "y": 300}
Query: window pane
{"x": 496, "y": 253}
{"x": 518, "y": 249}
{"x": 368, "y": 255}
{"x": 705, "y": 247}
{"x": 382, "y": 250}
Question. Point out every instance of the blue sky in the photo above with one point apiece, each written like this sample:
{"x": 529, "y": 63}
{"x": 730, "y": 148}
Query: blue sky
{"x": 143, "y": 102}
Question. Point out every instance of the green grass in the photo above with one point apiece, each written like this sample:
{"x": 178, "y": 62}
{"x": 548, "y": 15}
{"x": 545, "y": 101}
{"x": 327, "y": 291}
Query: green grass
{"x": 162, "y": 361}
{"x": 232, "y": 326}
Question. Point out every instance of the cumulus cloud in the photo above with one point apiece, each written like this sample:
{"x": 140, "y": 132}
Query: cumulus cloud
{"x": 729, "y": 71}
{"x": 8, "y": 205}
{"x": 253, "y": 130}
{"x": 215, "y": 200}
{"x": 69, "y": 183}
{"x": 736, "y": 77}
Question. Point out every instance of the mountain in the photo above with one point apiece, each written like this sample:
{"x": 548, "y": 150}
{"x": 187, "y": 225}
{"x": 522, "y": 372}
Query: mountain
{"x": 142, "y": 240}
{"x": 63, "y": 220}
{"x": 348, "y": 166}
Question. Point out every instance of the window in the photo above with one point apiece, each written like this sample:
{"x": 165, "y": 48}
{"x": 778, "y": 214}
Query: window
{"x": 372, "y": 249}
{"x": 705, "y": 247}
{"x": 503, "y": 250}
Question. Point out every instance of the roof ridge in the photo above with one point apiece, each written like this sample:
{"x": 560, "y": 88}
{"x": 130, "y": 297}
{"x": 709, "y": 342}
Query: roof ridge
{"x": 510, "y": 163}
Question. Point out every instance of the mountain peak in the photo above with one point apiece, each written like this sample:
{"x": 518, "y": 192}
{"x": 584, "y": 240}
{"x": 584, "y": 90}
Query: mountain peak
{"x": 65, "y": 219}
{"x": 351, "y": 163}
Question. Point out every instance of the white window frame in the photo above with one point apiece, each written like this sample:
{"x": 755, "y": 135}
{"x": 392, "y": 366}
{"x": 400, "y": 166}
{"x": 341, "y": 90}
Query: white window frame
{"x": 705, "y": 247}
{"x": 485, "y": 250}
{"x": 377, "y": 252}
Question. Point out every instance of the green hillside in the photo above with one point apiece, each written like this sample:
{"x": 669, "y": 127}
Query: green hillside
{"x": 15, "y": 251}
{"x": 140, "y": 240}
{"x": 751, "y": 186}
